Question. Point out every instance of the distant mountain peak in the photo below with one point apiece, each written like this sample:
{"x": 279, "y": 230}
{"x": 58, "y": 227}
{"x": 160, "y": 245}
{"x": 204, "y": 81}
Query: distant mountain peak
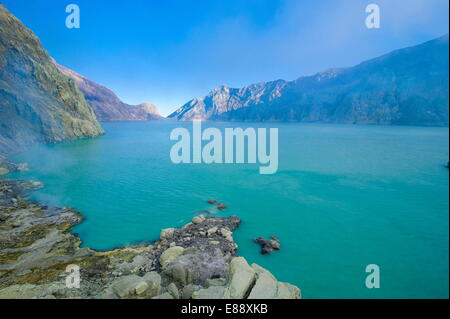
{"x": 408, "y": 86}
{"x": 150, "y": 108}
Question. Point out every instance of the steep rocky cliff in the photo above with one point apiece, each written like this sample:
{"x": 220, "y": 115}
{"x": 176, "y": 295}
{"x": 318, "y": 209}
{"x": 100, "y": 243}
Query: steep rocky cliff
{"x": 38, "y": 104}
{"x": 106, "y": 105}
{"x": 405, "y": 87}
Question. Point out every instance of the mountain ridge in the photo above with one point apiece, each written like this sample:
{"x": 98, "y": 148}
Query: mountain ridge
{"x": 407, "y": 86}
{"x": 105, "y": 103}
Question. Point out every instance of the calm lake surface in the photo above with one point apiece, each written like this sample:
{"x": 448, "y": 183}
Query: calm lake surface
{"x": 344, "y": 196}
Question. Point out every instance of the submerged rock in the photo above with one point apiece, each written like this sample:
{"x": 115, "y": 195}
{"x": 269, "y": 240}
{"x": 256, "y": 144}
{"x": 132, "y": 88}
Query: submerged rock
{"x": 268, "y": 245}
{"x": 219, "y": 205}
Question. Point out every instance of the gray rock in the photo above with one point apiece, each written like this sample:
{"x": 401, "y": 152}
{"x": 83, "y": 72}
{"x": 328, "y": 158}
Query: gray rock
{"x": 107, "y": 294}
{"x": 169, "y": 255}
{"x": 125, "y": 286}
{"x": 173, "y": 290}
{"x": 38, "y": 103}
{"x": 265, "y": 287}
{"x": 198, "y": 219}
{"x": 213, "y": 292}
{"x": 241, "y": 278}
{"x": 165, "y": 233}
{"x": 215, "y": 282}
{"x": 287, "y": 291}
{"x": 138, "y": 261}
{"x": 165, "y": 295}
{"x": 227, "y": 234}
{"x": 189, "y": 290}
{"x": 141, "y": 288}
{"x": 153, "y": 279}
{"x": 212, "y": 231}
{"x": 182, "y": 274}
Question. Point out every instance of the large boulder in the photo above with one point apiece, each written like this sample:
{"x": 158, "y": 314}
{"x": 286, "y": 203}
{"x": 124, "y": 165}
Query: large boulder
{"x": 126, "y": 286}
{"x": 213, "y": 292}
{"x": 196, "y": 266}
{"x": 170, "y": 255}
{"x": 173, "y": 290}
{"x": 153, "y": 280}
{"x": 182, "y": 274}
{"x": 198, "y": 219}
{"x": 241, "y": 279}
{"x": 287, "y": 291}
{"x": 267, "y": 287}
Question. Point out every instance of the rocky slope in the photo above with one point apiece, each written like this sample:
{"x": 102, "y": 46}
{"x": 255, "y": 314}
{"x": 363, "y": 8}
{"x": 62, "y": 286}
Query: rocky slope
{"x": 197, "y": 261}
{"x": 405, "y": 87}
{"x": 38, "y": 104}
{"x": 106, "y": 105}
{"x": 224, "y": 99}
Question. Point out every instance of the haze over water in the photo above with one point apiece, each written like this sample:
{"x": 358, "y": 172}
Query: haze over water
{"x": 344, "y": 196}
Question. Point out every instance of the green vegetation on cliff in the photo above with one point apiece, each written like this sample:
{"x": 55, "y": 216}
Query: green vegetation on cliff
{"x": 38, "y": 104}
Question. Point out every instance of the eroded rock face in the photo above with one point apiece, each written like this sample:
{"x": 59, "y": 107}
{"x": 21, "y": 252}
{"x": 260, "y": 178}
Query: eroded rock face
{"x": 38, "y": 104}
{"x": 36, "y": 246}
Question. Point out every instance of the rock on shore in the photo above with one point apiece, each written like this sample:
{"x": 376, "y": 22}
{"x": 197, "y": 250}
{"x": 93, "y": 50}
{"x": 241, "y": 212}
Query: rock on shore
{"x": 196, "y": 261}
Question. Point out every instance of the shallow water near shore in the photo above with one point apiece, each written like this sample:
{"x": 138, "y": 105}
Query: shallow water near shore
{"x": 344, "y": 196}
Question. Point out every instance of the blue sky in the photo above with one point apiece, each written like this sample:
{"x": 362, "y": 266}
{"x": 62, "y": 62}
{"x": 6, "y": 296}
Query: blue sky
{"x": 167, "y": 52}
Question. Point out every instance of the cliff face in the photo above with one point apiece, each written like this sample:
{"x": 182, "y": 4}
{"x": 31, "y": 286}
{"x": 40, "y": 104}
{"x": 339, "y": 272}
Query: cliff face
{"x": 106, "y": 105}
{"x": 38, "y": 104}
{"x": 405, "y": 87}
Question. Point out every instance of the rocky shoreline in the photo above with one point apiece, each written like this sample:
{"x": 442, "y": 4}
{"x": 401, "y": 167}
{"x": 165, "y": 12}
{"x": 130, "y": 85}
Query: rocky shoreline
{"x": 196, "y": 261}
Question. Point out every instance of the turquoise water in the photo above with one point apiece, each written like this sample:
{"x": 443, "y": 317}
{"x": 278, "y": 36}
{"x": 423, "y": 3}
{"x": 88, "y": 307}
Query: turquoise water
{"x": 345, "y": 196}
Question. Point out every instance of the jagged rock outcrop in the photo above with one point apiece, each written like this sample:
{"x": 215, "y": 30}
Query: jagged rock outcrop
{"x": 106, "y": 105}
{"x": 405, "y": 87}
{"x": 224, "y": 99}
{"x": 198, "y": 260}
{"x": 38, "y": 104}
